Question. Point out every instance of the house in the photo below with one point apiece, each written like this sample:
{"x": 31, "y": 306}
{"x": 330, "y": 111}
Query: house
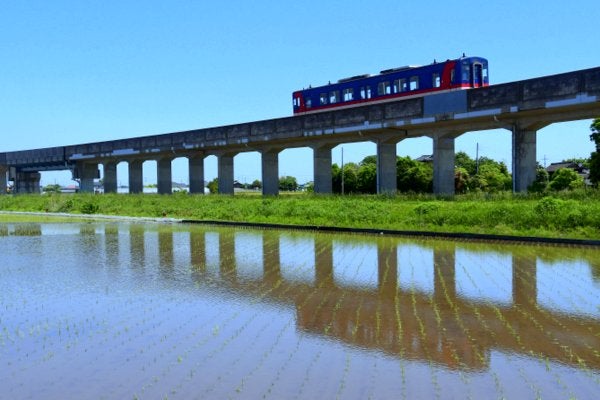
{"x": 577, "y": 167}
{"x": 426, "y": 158}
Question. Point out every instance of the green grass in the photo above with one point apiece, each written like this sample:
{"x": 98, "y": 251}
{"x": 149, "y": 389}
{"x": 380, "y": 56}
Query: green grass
{"x": 564, "y": 215}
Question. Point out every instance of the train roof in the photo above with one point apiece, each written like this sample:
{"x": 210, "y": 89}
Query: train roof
{"x": 391, "y": 70}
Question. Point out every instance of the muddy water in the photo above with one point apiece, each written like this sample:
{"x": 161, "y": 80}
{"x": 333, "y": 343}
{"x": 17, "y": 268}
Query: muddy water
{"x": 122, "y": 311}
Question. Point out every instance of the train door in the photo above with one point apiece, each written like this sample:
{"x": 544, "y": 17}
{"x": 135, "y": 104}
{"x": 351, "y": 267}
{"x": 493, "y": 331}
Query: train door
{"x": 477, "y": 75}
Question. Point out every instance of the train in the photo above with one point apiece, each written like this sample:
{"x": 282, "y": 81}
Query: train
{"x": 392, "y": 84}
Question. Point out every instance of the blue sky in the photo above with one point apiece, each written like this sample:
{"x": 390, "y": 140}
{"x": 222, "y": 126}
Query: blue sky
{"x": 85, "y": 71}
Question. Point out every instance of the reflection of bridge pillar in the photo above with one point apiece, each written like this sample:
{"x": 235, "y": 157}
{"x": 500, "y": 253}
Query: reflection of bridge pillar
{"x": 322, "y": 169}
{"x": 225, "y": 173}
{"x": 227, "y": 263}
{"x": 136, "y": 176}
{"x": 198, "y": 249}
{"x": 524, "y": 270}
{"x": 164, "y": 176}
{"x": 444, "y": 280}
{"x": 324, "y": 262}
{"x": 165, "y": 249}
{"x": 387, "y": 266}
{"x": 524, "y": 162}
{"x": 270, "y": 171}
{"x": 28, "y": 230}
{"x": 110, "y": 177}
{"x": 137, "y": 244}
{"x": 3, "y": 179}
{"x": 111, "y": 244}
{"x": 87, "y": 172}
{"x": 196, "y": 173}
{"x": 271, "y": 257}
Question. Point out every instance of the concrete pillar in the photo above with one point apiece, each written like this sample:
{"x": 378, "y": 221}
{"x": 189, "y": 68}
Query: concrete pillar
{"x": 196, "y": 173}
{"x": 164, "y": 177}
{"x": 27, "y": 182}
{"x": 322, "y": 169}
{"x": 136, "y": 176}
{"x": 110, "y": 177}
{"x": 386, "y": 167}
{"x": 443, "y": 165}
{"x": 87, "y": 172}
{"x": 225, "y": 173}
{"x": 270, "y": 172}
{"x": 3, "y": 179}
{"x": 523, "y": 158}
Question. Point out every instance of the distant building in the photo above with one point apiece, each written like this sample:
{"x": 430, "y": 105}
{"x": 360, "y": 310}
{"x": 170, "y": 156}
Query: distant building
{"x": 426, "y": 158}
{"x": 577, "y": 167}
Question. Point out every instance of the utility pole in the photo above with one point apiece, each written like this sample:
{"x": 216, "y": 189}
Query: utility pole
{"x": 477, "y": 159}
{"x": 342, "y": 170}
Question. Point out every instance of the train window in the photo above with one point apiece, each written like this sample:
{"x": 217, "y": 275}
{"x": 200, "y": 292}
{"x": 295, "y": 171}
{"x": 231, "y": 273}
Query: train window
{"x": 334, "y": 96}
{"x": 436, "y": 80}
{"x": 308, "y": 103}
{"x": 323, "y": 99}
{"x": 466, "y": 73}
{"x": 295, "y": 102}
{"x": 485, "y": 73}
{"x": 400, "y": 85}
{"x": 414, "y": 82}
{"x": 365, "y": 92}
{"x": 348, "y": 94}
{"x": 384, "y": 88}
{"x": 452, "y": 76}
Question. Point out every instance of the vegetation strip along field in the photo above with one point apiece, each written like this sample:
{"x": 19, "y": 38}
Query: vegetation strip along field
{"x": 566, "y": 215}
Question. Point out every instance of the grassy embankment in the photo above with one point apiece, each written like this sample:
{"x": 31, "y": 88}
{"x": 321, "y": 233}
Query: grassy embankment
{"x": 565, "y": 215}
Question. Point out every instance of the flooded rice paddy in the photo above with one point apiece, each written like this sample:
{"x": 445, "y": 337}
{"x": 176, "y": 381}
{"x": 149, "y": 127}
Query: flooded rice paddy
{"x": 125, "y": 311}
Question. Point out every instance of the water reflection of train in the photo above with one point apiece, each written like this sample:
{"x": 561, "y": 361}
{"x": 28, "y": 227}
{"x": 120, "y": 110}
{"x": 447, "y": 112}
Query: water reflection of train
{"x": 392, "y": 84}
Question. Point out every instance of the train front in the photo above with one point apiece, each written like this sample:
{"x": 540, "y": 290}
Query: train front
{"x": 472, "y": 72}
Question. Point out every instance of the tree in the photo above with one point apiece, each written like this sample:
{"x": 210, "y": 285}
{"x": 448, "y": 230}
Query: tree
{"x": 367, "y": 178}
{"x": 351, "y": 178}
{"x": 213, "y": 186}
{"x": 256, "y": 184}
{"x": 461, "y": 180}
{"x": 595, "y": 156}
{"x": 358, "y": 178}
{"x": 541, "y": 180}
{"x": 565, "y": 178}
{"x": 413, "y": 176}
{"x": 462, "y": 160}
{"x": 288, "y": 183}
{"x": 51, "y": 189}
{"x": 336, "y": 178}
{"x": 369, "y": 160}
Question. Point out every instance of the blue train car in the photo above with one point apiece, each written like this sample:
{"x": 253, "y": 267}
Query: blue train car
{"x": 392, "y": 84}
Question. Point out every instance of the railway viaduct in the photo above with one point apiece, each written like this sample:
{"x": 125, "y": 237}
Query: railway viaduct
{"x": 521, "y": 107}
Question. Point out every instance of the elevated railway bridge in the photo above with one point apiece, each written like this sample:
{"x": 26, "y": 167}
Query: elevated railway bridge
{"x": 521, "y": 107}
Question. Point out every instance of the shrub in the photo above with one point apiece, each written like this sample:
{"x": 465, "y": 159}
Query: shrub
{"x": 89, "y": 208}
